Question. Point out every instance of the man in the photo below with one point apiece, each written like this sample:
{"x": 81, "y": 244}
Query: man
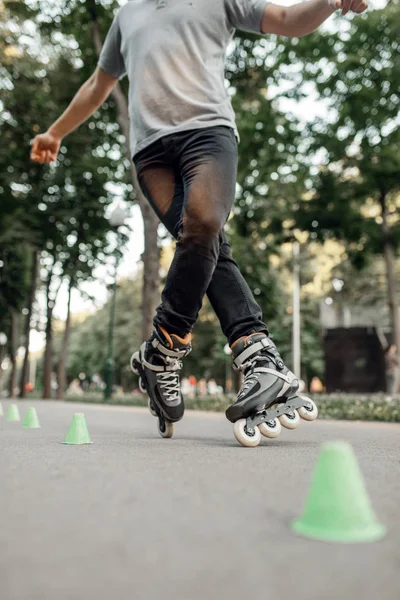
{"x": 183, "y": 141}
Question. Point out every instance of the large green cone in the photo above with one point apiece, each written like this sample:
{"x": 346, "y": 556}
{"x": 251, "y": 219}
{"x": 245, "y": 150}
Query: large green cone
{"x": 78, "y": 431}
{"x": 338, "y": 508}
{"x": 31, "y": 420}
{"x": 13, "y": 413}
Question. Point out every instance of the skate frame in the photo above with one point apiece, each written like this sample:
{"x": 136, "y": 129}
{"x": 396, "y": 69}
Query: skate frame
{"x": 276, "y": 410}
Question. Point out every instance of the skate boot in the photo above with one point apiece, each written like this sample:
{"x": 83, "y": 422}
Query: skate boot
{"x": 158, "y": 363}
{"x": 268, "y": 398}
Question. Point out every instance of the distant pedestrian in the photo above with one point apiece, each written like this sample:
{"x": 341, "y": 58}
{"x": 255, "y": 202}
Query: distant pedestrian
{"x": 391, "y": 370}
{"x": 316, "y": 385}
{"x": 202, "y": 387}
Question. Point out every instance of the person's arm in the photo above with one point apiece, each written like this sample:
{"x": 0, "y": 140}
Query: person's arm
{"x": 90, "y": 96}
{"x": 86, "y": 101}
{"x": 302, "y": 19}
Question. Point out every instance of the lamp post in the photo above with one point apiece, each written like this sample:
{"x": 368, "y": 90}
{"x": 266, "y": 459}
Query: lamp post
{"x": 296, "y": 348}
{"x": 117, "y": 219}
{"x": 3, "y": 342}
{"x": 228, "y": 379}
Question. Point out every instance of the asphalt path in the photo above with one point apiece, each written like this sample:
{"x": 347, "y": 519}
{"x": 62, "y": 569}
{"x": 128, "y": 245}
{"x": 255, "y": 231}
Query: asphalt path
{"x": 195, "y": 517}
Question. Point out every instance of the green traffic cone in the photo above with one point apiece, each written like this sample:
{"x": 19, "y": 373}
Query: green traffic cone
{"x": 338, "y": 508}
{"x": 78, "y": 431}
{"x": 1, "y": 410}
{"x": 31, "y": 420}
{"x": 13, "y": 413}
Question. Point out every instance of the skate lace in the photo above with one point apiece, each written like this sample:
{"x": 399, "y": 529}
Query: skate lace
{"x": 169, "y": 380}
{"x": 251, "y": 373}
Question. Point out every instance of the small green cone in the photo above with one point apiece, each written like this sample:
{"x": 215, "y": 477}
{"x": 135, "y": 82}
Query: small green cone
{"x": 78, "y": 431}
{"x": 31, "y": 420}
{"x": 13, "y": 413}
{"x": 338, "y": 508}
{"x": 1, "y": 410}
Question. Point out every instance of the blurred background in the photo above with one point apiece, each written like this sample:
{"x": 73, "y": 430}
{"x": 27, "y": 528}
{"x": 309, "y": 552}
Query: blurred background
{"x": 315, "y": 227}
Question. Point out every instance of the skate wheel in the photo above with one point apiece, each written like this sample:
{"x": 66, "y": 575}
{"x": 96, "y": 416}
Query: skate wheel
{"x": 270, "y": 429}
{"x": 290, "y": 420}
{"x": 308, "y": 414}
{"x": 134, "y": 360}
{"x": 142, "y": 387}
{"x": 248, "y": 438}
{"x": 165, "y": 428}
{"x": 151, "y": 409}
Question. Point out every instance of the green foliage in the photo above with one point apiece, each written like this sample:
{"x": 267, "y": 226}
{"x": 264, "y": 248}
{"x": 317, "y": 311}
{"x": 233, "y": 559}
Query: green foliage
{"x": 355, "y": 407}
{"x": 357, "y": 72}
{"x": 57, "y": 209}
{"x": 60, "y": 209}
{"x": 89, "y": 340}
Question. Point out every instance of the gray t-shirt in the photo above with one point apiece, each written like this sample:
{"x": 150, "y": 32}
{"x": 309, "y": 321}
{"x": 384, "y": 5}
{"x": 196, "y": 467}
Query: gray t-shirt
{"x": 173, "y": 52}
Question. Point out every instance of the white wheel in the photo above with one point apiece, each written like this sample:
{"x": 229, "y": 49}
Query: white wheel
{"x": 308, "y": 414}
{"x": 141, "y": 386}
{"x": 271, "y": 429}
{"x": 134, "y": 357}
{"x": 290, "y": 420}
{"x": 249, "y": 439}
{"x": 151, "y": 409}
{"x": 165, "y": 428}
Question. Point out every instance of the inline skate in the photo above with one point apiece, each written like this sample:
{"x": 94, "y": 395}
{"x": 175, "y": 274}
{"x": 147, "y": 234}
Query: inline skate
{"x": 157, "y": 363}
{"x": 269, "y": 396}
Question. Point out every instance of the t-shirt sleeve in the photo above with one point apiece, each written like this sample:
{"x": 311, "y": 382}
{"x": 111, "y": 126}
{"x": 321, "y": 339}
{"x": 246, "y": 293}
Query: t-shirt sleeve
{"x": 111, "y": 59}
{"x": 246, "y": 14}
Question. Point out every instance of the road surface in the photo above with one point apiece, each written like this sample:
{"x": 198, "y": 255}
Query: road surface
{"x": 196, "y": 517}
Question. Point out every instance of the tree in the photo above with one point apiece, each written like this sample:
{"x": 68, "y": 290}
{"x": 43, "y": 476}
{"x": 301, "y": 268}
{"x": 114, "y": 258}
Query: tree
{"x": 357, "y": 187}
{"x": 88, "y": 344}
{"x": 58, "y": 212}
{"x": 14, "y": 269}
{"x": 87, "y": 23}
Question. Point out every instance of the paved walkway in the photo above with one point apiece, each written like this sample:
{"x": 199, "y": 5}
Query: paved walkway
{"x": 196, "y": 517}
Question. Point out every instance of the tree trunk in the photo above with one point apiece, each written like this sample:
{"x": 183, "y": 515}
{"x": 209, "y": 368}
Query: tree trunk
{"x": 48, "y": 353}
{"x": 13, "y": 352}
{"x": 151, "y": 277}
{"x": 389, "y": 254}
{"x": 27, "y": 327}
{"x": 64, "y": 349}
{"x": 151, "y": 255}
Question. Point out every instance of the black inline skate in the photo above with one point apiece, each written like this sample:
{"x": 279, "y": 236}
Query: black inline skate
{"x": 158, "y": 363}
{"x": 268, "y": 398}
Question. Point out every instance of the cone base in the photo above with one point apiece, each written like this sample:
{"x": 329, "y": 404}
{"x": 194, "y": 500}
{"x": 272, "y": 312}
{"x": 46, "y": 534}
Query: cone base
{"x": 371, "y": 533}
{"x": 77, "y": 443}
{"x": 31, "y": 426}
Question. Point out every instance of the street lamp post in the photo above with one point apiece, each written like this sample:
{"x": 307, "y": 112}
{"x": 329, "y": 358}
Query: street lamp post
{"x": 228, "y": 378}
{"x": 296, "y": 348}
{"x": 117, "y": 219}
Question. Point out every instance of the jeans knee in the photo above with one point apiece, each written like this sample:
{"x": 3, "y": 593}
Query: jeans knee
{"x": 206, "y": 227}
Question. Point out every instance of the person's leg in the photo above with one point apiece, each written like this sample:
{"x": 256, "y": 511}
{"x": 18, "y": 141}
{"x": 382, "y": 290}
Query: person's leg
{"x": 158, "y": 361}
{"x": 231, "y": 298}
{"x": 209, "y": 159}
{"x": 190, "y": 199}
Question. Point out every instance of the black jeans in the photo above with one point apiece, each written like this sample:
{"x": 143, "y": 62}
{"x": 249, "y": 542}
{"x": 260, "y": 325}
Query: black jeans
{"x": 189, "y": 179}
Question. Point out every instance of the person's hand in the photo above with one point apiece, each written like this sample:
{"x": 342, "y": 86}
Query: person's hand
{"x": 355, "y": 6}
{"x": 45, "y": 148}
